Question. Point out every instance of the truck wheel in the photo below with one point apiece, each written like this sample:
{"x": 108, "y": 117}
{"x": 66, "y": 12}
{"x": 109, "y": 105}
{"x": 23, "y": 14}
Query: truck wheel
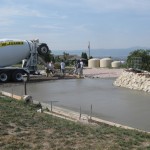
{"x": 4, "y": 77}
{"x": 17, "y": 76}
{"x": 43, "y": 49}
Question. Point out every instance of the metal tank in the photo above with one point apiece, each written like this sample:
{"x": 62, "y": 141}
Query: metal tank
{"x": 105, "y": 63}
{"x": 94, "y": 63}
{"x": 115, "y": 64}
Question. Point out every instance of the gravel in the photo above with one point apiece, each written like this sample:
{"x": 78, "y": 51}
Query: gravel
{"x": 102, "y": 72}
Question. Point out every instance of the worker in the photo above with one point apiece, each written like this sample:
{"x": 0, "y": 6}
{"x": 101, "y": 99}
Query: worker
{"x": 51, "y": 67}
{"x": 62, "y": 67}
{"x": 81, "y": 67}
{"x": 47, "y": 69}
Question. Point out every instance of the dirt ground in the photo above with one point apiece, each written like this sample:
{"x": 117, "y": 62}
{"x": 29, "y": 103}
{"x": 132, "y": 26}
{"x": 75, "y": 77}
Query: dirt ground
{"x": 102, "y": 72}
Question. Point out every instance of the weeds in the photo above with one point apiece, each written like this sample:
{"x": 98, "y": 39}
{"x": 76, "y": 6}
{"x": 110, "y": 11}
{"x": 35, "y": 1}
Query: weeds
{"x": 21, "y": 127}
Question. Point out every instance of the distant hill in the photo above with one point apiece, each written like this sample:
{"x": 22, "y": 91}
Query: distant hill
{"x": 101, "y": 53}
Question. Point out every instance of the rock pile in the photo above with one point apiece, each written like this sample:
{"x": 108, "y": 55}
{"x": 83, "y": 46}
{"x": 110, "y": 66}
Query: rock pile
{"x": 134, "y": 80}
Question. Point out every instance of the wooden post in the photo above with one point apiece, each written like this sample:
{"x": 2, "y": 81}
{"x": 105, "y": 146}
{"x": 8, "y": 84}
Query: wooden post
{"x": 25, "y": 79}
{"x": 12, "y": 93}
{"x": 80, "y": 113}
{"x": 91, "y": 112}
{"x": 52, "y": 105}
{"x": 25, "y": 88}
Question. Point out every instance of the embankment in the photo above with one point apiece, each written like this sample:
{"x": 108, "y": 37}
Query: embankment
{"x": 134, "y": 80}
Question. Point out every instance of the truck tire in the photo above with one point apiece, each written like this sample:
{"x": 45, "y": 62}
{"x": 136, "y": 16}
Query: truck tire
{"x": 4, "y": 77}
{"x": 17, "y": 76}
{"x": 43, "y": 49}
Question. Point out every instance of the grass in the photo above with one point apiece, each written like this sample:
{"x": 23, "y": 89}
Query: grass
{"x": 21, "y": 127}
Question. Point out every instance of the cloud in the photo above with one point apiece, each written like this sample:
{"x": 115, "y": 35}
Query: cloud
{"x": 6, "y": 22}
{"x": 75, "y": 20}
{"x": 26, "y": 11}
{"x": 46, "y": 27}
{"x": 117, "y": 5}
{"x": 19, "y": 11}
{"x": 81, "y": 28}
{"x": 24, "y": 8}
{"x": 64, "y": 3}
{"x": 57, "y": 15}
{"x": 101, "y": 5}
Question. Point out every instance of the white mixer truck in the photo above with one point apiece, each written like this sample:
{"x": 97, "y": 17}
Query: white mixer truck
{"x": 13, "y": 51}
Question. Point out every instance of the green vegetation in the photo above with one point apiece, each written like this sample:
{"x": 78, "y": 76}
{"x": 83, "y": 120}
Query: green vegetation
{"x": 139, "y": 59}
{"x": 21, "y": 127}
{"x": 85, "y": 57}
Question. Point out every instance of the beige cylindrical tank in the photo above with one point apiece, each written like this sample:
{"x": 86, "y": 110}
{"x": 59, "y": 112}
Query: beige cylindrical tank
{"x": 94, "y": 63}
{"x": 115, "y": 64}
{"x": 105, "y": 62}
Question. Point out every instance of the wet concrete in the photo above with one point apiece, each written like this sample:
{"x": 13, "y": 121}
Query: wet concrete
{"x": 120, "y": 105}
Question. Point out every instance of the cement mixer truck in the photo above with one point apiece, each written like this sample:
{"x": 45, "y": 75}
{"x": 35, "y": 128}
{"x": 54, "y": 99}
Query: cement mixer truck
{"x": 13, "y": 51}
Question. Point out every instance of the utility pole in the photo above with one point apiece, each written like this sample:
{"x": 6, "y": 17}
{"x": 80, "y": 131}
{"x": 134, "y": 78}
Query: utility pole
{"x": 89, "y": 49}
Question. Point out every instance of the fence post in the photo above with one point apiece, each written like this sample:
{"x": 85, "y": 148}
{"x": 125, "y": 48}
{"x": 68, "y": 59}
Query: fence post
{"x": 12, "y": 93}
{"x": 80, "y": 113}
{"x": 52, "y": 104}
{"x": 91, "y": 112}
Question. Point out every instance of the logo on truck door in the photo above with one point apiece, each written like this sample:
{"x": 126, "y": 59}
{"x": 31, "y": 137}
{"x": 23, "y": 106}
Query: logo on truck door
{"x": 8, "y": 43}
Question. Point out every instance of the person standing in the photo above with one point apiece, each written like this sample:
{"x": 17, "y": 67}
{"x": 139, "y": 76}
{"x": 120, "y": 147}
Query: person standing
{"x": 62, "y": 67}
{"x": 47, "y": 69}
{"x": 51, "y": 67}
{"x": 78, "y": 68}
{"x": 75, "y": 67}
{"x": 81, "y": 67}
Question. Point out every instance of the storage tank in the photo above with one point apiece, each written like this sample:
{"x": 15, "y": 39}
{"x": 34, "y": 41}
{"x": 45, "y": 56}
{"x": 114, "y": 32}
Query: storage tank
{"x": 94, "y": 63}
{"x": 105, "y": 63}
{"x": 115, "y": 64}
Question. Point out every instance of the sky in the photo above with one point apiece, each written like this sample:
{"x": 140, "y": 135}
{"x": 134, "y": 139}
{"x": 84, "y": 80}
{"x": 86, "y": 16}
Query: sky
{"x": 71, "y": 24}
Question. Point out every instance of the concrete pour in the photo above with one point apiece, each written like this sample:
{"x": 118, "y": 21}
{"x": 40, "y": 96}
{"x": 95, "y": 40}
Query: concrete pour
{"x": 68, "y": 114}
